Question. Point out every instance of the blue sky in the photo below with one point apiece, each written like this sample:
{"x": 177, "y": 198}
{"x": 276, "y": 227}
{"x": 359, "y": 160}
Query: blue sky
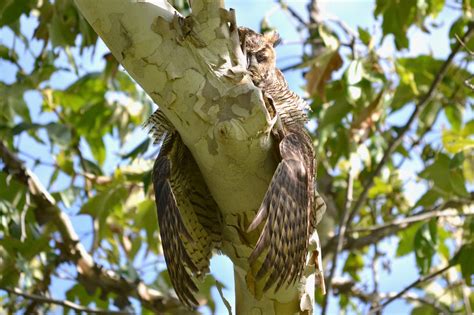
{"x": 249, "y": 13}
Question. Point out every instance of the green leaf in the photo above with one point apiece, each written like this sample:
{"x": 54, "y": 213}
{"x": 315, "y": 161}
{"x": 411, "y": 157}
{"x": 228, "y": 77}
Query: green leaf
{"x": 464, "y": 258}
{"x": 63, "y": 28}
{"x": 59, "y": 134}
{"x": 28, "y": 248}
{"x": 139, "y": 149}
{"x": 435, "y": 7}
{"x": 438, "y": 172}
{"x": 454, "y": 116}
{"x": 425, "y": 243}
{"x": 424, "y": 310}
{"x": 92, "y": 167}
{"x": 406, "y": 240}
{"x": 458, "y": 183}
{"x": 89, "y": 36}
{"x": 398, "y": 16}
{"x": 428, "y": 115}
{"x": 8, "y": 54}
{"x": 146, "y": 219}
{"x": 97, "y": 146}
{"x": 335, "y": 113}
{"x": 454, "y": 142}
{"x": 103, "y": 204}
{"x": 380, "y": 188}
{"x": 459, "y": 28}
{"x": 68, "y": 196}
{"x": 65, "y": 162}
{"x": 447, "y": 177}
{"x": 428, "y": 199}
{"x": 11, "y": 10}
{"x": 468, "y": 168}
{"x": 364, "y": 36}
{"x": 353, "y": 265}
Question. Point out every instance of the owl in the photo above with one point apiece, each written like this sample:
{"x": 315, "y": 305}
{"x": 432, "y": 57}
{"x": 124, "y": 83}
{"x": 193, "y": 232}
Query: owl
{"x": 190, "y": 220}
{"x": 292, "y": 207}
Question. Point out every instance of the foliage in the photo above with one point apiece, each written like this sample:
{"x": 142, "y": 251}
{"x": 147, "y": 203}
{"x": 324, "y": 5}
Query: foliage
{"x": 77, "y": 138}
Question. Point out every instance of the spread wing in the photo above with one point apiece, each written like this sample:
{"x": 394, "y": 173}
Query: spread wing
{"x": 188, "y": 217}
{"x": 287, "y": 209}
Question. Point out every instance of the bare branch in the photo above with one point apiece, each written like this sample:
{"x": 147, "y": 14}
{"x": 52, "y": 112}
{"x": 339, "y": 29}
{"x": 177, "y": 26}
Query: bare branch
{"x": 340, "y": 237}
{"x": 405, "y": 222}
{"x": 411, "y": 286}
{"x": 64, "y": 303}
{"x": 376, "y": 233}
{"x": 314, "y": 13}
{"x": 292, "y": 12}
{"x": 349, "y": 288}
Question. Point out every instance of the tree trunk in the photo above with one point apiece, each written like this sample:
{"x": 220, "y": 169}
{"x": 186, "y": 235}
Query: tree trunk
{"x": 194, "y": 70}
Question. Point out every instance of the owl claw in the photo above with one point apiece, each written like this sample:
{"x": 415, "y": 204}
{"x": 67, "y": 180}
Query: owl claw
{"x": 273, "y": 122}
{"x": 237, "y": 73}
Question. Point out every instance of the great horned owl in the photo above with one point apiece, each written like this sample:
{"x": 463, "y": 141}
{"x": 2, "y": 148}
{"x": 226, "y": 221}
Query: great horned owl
{"x": 189, "y": 218}
{"x": 291, "y": 207}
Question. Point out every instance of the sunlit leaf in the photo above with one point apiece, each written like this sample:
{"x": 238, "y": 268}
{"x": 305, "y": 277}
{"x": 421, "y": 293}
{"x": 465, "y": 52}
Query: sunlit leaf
{"x": 10, "y": 10}
{"x": 464, "y": 258}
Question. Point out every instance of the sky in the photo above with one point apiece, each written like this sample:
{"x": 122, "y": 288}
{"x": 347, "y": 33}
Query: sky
{"x": 355, "y": 13}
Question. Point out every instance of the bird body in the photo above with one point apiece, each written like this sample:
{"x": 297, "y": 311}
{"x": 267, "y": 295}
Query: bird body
{"x": 291, "y": 207}
{"x": 190, "y": 221}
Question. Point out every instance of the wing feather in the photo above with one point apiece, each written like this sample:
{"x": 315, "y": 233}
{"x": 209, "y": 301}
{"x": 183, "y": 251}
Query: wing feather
{"x": 189, "y": 219}
{"x": 172, "y": 231}
{"x": 285, "y": 208}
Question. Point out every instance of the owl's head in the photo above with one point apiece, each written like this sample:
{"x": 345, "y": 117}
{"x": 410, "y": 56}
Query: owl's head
{"x": 260, "y": 52}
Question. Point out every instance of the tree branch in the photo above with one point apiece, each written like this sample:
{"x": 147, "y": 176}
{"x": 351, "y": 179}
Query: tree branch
{"x": 349, "y": 288}
{"x": 405, "y": 222}
{"x": 64, "y": 303}
{"x": 424, "y": 100}
{"x": 409, "y": 287}
{"x": 89, "y": 272}
{"x": 292, "y": 12}
{"x": 340, "y": 237}
{"x": 376, "y": 233}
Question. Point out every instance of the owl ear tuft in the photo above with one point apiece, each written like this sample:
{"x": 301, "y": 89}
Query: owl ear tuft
{"x": 273, "y": 37}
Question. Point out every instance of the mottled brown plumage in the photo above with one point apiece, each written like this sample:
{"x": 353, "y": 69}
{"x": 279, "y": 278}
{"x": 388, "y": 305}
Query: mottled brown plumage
{"x": 291, "y": 207}
{"x": 189, "y": 219}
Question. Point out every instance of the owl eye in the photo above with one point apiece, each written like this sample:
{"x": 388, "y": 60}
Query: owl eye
{"x": 261, "y": 56}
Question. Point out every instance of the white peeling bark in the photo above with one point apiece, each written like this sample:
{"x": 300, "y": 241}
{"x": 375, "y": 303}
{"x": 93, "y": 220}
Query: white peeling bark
{"x": 193, "y": 69}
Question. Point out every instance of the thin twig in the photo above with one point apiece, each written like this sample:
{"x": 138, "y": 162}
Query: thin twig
{"x": 64, "y": 303}
{"x": 292, "y": 12}
{"x": 375, "y": 291}
{"x": 413, "y": 219}
{"x": 466, "y": 292}
{"x": 376, "y": 233}
{"x": 343, "y": 25}
{"x": 369, "y": 182}
{"x": 314, "y": 13}
{"x": 411, "y": 286}
{"x": 375, "y": 278}
{"x": 349, "y": 288}
{"x": 37, "y": 160}
{"x": 463, "y": 44}
{"x": 340, "y": 238}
